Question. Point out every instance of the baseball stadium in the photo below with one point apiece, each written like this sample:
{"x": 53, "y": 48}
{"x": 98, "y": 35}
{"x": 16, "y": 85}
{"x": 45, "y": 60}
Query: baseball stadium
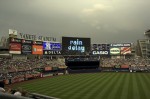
{"x": 73, "y": 68}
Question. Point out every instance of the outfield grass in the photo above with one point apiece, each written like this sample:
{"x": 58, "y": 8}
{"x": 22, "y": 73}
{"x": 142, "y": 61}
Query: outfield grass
{"x": 93, "y": 86}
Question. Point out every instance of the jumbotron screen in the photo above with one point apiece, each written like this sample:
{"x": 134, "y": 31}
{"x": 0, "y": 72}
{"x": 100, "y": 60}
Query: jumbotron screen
{"x": 76, "y": 46}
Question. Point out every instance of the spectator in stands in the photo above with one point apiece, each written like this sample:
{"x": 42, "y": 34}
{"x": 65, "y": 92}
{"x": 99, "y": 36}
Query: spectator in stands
{"x": 2, "y": 86}
{"x": 18, "y": 92}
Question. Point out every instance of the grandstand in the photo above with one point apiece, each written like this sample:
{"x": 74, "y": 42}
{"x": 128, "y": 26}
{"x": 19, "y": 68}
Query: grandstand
{"x": 27, "y": 60}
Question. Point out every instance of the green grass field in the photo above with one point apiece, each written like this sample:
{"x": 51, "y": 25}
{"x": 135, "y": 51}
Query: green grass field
{"x": 93, "y": 86}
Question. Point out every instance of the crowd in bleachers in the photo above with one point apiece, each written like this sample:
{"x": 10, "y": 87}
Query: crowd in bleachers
{"x": 25, "y": 68}
{"x": 133, "y": 64}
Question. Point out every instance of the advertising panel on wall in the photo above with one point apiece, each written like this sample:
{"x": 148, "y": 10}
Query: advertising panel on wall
{"x": 37, "y": 49}
{"x": 125, "y": 50}
{"x": 15, "y": 48}
{"x": 100, "y": 52}
{"x": 51, "y": 48}
{"x": 115, "y": 51}
{"x": 76, "y": 46}
{"x": 26, "y": 46}
{"x": 121, "y": 45}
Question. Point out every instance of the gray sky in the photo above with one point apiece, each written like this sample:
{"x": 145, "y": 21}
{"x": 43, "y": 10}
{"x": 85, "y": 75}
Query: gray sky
{"x": 105, "y": 21}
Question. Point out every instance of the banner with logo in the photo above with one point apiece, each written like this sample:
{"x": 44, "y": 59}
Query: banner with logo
{"x": 121, "y": 45}
{"x": 26, "y": 49}
{"x": 37, "y": 49}
{"x": 115, "y": 51}
{"x": 15, "y": 48}
{"x": 125, "y": 50}
{"x": 51, "y": 48}
{"x": 100, "y": 52}
{"x": 26, "y": 46}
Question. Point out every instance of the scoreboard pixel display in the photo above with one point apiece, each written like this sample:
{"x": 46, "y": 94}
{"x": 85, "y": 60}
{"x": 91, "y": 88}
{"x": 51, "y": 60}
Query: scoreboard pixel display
{"x": 76, "y": 46}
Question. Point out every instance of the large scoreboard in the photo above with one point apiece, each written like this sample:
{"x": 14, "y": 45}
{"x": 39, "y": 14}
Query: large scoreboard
{"x": 76, "y": 46}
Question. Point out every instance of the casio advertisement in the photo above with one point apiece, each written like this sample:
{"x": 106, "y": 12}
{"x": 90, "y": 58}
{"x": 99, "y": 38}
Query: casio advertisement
{"x": 100, "y": 52}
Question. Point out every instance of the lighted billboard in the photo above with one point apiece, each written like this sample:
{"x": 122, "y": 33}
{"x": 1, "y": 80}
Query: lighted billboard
{"x": 115, "y": 51}
{"x": 125, "y": 50}
{"x": 51, "y": 48}
{"x": 15, "y": 48}
{"x": 26, "y": 46}
{"x": 37, "y": 49}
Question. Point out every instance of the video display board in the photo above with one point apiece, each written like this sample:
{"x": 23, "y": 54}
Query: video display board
{"x": 76, "y": 46}
{"x": 51, "y": 48}
{"x": 26, "y": 47}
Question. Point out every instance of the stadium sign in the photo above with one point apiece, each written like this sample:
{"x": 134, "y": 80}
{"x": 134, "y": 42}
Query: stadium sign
{"x": 35, "y": 37}
{"x": 114, "y": 51}
{"x": 100, "y": 52}
{"x": 52, "y": 52}
{"x": 51, "y": 45}
{"x": 121, "y": 45}
{"x": 26, "y": 49}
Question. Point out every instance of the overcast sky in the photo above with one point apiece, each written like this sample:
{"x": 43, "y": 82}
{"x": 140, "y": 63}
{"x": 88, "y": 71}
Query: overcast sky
{"x": 104, "y": 21}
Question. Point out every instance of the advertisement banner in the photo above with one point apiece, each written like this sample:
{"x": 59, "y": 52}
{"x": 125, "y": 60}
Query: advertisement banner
{"x": 51, "y": 48}
{"x": 49, "y": 52}
{"x": 26, "y": 49}
{"x": 125, "y": 50}
{"x": 100, "y": 52}
{"x": 15, "y": 48}
{"x": 115, "y": 51}
{"x": 37, "y": 49}
{"x": 120, "y": 45}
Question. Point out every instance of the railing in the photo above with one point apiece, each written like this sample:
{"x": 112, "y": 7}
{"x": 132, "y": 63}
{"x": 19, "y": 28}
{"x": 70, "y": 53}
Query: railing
{"x": 10, "y": 96}
{"x": 31, "y": 95}
{"x": 40, "y": 96}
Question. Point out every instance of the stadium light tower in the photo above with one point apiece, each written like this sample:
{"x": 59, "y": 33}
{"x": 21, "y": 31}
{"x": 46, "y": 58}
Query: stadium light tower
{"x": 147, "y": 33}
